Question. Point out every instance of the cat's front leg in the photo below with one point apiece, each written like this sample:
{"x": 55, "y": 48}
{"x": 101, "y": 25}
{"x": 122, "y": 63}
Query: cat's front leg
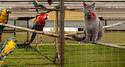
{"x": 94, "y": 37}
{"x": 87, "y": 36}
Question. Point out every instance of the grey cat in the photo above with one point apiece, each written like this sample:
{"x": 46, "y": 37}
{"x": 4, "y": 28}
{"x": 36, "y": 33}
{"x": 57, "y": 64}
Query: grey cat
{"x": 93, "y": 27}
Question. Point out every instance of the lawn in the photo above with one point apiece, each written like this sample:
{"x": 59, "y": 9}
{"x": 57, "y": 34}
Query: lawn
{"x": 23, "y": 57}
{"x": 94, "y": 56}
{"x": 76, "y": 55}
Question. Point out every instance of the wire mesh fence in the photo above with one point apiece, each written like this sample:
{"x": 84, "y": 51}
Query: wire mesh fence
{"x": 76, "y": 54}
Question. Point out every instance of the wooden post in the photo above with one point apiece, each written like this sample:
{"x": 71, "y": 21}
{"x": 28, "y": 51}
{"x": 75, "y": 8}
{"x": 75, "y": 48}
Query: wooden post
{"x": 27, "y": 31}
{"x": 105, "y": 24}
{"x": 61, "y": 33}
{"x": 14, "y": 28}
{"x": 56, "y": 26}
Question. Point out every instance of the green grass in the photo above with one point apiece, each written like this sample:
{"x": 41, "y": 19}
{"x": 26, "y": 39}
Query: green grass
{"x": 114, "y": 37}
{"x": 22, "y": 57}
{"x": 76, "y": 55}
{"x": 94, "y": 56}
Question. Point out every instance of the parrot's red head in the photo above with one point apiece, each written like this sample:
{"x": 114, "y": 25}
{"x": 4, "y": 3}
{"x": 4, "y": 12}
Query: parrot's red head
{"x": 42, "y": 17}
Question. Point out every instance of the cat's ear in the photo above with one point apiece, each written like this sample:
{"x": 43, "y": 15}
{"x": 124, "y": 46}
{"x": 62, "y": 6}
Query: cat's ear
{"x": 93, "y": 4}
{"x": 84, "y": 4}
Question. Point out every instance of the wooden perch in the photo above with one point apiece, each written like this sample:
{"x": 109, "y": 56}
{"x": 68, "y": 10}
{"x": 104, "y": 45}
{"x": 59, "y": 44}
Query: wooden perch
{"x": 110, "y": 45}
{"x": 113, "y": 25}
{"x": 66, "y": 37}
{"x": 51, "y": 34}
{"x": 31, "y": 30}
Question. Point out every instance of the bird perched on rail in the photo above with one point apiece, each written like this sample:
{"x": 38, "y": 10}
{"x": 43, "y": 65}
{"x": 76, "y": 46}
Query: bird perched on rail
{"x": 39, "y": 23}
{"x": 4, "y": 15}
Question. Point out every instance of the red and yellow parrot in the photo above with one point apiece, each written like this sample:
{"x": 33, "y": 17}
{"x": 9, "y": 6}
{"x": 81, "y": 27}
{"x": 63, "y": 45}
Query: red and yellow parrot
{"x": 39, "y": 23}
{"x": 39, "y": 20}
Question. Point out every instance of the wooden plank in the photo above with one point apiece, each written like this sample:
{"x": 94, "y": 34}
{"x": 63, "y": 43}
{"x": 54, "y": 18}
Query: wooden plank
{"x": 110, "y": 45}
{"x": 65, "y": 1}
{"x": 38, "y": 32}
{"x": 72, "y": 15}
{"x": 51, "y": 34}
{"x": 113, "y": 25}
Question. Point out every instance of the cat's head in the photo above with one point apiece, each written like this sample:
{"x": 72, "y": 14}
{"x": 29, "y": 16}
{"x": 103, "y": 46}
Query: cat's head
{"x": 89, "y": 7}
{"x": 89, "y": 10}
